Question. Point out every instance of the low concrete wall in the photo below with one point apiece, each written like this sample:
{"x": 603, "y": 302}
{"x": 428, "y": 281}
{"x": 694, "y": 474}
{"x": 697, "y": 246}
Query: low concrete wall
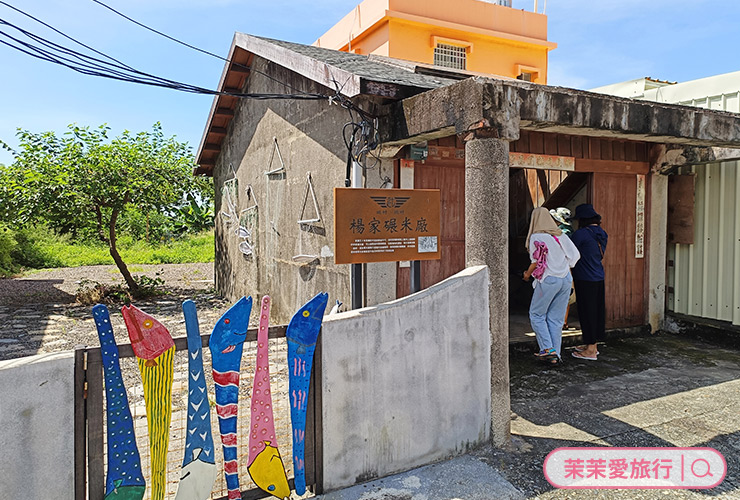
{"x": 407, "y": 383}
{"x": 37, "y": 426}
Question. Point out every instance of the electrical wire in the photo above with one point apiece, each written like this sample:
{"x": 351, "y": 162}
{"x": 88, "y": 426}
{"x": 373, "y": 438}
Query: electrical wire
{"x": 203, "y": 51}
{"x": 55, "y": 53}
{"x": 363, "y": 136}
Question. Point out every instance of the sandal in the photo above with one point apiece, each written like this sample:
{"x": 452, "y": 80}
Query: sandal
{"x": 552, "y": 360}
{"x": 581, "y": 348}
{"x": 545, "y": 353}
{"x": 580, "y": 355}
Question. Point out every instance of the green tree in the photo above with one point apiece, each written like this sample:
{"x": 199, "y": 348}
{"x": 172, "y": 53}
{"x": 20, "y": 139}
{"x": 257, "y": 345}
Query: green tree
{"x": 83, "y": 181}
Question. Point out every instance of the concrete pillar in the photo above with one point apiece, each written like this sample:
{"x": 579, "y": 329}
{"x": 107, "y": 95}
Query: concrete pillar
{"x": 657, "y": 245}
{"x": 487, "y": 243}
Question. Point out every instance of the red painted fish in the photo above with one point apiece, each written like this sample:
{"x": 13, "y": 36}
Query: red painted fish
{"x": 149, "y": 338}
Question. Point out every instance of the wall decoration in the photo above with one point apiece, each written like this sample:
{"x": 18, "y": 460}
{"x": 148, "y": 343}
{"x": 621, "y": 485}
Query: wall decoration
{"x": 249, "y": 224}
{"x": 640, "y": 218}
{"x": 278, "y": 170}
{"x": 124, "y": 480}
{"x": 199, "y": 465}
{"x": 303, "y": 332}
{"x": 155, "y": 349}
{"x": 226, "y": 345}
{"x": 230, "y": 200}
{"x": 264, "y": 464}
{"x": 308, "y": 223}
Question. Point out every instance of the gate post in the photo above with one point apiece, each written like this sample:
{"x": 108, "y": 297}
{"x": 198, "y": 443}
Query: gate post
{"x": 80, "y": 421}
{"x": 487, "y": 243}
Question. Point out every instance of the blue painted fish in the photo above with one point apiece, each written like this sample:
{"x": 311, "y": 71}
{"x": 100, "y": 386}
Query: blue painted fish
{"x": 124, "y": 480}
{"x": 155, "y": 350}
{"x": 199, "y": 465}
{"x": 226, "y": 344}
{"x": 302, "y": 333}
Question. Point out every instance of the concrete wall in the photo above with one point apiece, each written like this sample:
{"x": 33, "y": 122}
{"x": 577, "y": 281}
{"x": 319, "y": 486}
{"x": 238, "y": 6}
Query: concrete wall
{"x": 309, "y": 137}
{"x": 37, "y": 427}
{"x": 407, "y": 383}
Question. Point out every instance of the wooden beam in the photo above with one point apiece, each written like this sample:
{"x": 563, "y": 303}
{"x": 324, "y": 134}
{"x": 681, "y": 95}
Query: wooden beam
{"x": 217, "y": 130}
{"x": 224, "y": 111}
{"x": 232, "y": 90}
{"x": 212, "y": 147}
{"x": 239, "y": 68}
{"x": 612, "y": 166}
{"x": 542, "y": 162}
{"x": 544, "y": 183}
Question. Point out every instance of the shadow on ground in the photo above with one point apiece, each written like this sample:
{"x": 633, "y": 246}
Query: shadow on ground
{"x": 655, "y": 391}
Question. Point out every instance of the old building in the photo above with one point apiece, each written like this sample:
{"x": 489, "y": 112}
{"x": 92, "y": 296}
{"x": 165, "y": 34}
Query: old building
{"x": 703, "y": 208}
{"x": 272, "y": 159}
{"x": 478, "y": 36}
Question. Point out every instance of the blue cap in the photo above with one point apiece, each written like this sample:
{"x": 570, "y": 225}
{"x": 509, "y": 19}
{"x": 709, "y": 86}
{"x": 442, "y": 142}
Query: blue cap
{"x": 585, "y": 211}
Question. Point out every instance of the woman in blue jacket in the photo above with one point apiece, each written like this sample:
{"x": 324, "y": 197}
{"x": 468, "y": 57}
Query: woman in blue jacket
{"x": 588, "y": 278}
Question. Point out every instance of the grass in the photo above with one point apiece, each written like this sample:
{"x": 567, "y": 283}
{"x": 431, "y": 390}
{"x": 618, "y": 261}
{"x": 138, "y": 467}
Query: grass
{"x": 59, "y": 252}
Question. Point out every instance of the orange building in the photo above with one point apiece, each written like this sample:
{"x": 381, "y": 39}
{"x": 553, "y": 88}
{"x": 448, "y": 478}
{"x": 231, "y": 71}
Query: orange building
{"x": 477, "y": 36}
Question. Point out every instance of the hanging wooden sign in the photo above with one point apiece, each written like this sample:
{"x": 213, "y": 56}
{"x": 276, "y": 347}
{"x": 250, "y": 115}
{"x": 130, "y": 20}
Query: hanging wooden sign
{"x": 386, "y": 225}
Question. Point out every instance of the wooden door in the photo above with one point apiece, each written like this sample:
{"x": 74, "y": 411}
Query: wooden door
{"x": 447, "y": 175}
{"x": 615, "y": 198}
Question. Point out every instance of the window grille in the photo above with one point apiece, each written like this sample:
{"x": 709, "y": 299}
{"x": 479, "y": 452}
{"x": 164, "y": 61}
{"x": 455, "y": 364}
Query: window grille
{"x": 450, "y": 56}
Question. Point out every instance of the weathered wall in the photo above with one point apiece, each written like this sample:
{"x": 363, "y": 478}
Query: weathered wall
{"x": 408, "y": 382}
{"x": 309, "y": 137}
{"x": 37, "y": 422}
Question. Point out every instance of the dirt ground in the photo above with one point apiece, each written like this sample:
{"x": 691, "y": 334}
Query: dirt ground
{"x": 38, "y": 312}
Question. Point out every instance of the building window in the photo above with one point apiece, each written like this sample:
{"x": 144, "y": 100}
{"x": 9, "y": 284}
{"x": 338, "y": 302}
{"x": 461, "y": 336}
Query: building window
{"x": 527, "y": 73}
{"x": 450, "y": 56}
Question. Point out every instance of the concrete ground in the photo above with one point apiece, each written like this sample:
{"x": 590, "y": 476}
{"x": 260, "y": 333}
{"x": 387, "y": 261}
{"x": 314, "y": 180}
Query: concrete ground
{"x": 660, "y": 390}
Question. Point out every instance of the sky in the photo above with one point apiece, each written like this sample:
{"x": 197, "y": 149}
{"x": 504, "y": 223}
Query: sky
{"x": 599, "y": 42}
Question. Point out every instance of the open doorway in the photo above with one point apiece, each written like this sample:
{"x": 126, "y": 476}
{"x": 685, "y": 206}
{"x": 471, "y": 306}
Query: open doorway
{"x": 529, "y": 189}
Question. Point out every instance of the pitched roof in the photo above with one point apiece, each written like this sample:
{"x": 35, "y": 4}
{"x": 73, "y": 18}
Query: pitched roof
{"x": 352, "y": 74}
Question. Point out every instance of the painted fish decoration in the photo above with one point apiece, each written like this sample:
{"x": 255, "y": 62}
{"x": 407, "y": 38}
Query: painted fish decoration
{"x": 199, "y": 465}
{"x": 155, "y": 350}
{"x": 302, "y": 333}
{"x": 124, "y": 480}
{"x": 264, "y": 464}
{"x": 226, "y": 344}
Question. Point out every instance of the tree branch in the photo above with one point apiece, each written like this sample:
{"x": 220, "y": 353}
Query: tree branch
{"x": 99, "y": 218}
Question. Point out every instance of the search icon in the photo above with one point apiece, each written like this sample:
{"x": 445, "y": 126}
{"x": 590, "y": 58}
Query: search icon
{"x": 708, "y": 473}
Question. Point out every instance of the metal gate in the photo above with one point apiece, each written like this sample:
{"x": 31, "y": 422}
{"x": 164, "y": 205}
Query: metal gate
{"x": 90, "y": 436}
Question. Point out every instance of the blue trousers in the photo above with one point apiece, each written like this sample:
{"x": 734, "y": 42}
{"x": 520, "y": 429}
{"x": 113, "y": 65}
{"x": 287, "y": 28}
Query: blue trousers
{"x": 547, "y": 311}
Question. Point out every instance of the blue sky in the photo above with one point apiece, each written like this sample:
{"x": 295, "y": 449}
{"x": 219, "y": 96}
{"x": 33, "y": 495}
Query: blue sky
{"x": 599, "y": 42}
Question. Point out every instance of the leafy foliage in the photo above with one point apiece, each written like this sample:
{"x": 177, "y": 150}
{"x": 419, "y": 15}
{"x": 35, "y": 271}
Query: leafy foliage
{"x": 84, "y": 183}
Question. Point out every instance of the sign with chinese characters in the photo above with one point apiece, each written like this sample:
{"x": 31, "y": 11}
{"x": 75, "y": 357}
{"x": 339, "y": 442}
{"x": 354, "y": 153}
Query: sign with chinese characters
{"x": 640, "y": 219}
{"x": 635, "y": 468}
{"x": 386, "y": 225}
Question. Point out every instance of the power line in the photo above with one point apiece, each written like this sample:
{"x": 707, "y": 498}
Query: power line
{"x": 89, "y": 65}
{"x": 63, "y": 34}
{"x": 193, "y": 46}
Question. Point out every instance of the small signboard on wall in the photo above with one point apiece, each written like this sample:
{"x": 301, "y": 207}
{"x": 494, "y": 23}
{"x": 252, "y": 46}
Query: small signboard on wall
{"x": 386, "y": 225}
{"x": 640, "y": 219}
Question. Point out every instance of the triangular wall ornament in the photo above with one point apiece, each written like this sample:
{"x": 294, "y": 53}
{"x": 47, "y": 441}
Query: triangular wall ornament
{"x": 317, "y": 214}
{"x": 281, "y": 169}
{"x": 230, "y": 198}
{"x": 308, "y": 221}
{"x": 248, "y": 224}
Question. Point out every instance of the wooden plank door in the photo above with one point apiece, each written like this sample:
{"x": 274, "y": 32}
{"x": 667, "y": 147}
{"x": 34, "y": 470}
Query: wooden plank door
{"x": 615, "y": 197}
{"x": 448, "y": 176}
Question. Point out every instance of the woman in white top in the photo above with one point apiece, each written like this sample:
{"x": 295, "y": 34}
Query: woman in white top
{"x": 552, "y": 254}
